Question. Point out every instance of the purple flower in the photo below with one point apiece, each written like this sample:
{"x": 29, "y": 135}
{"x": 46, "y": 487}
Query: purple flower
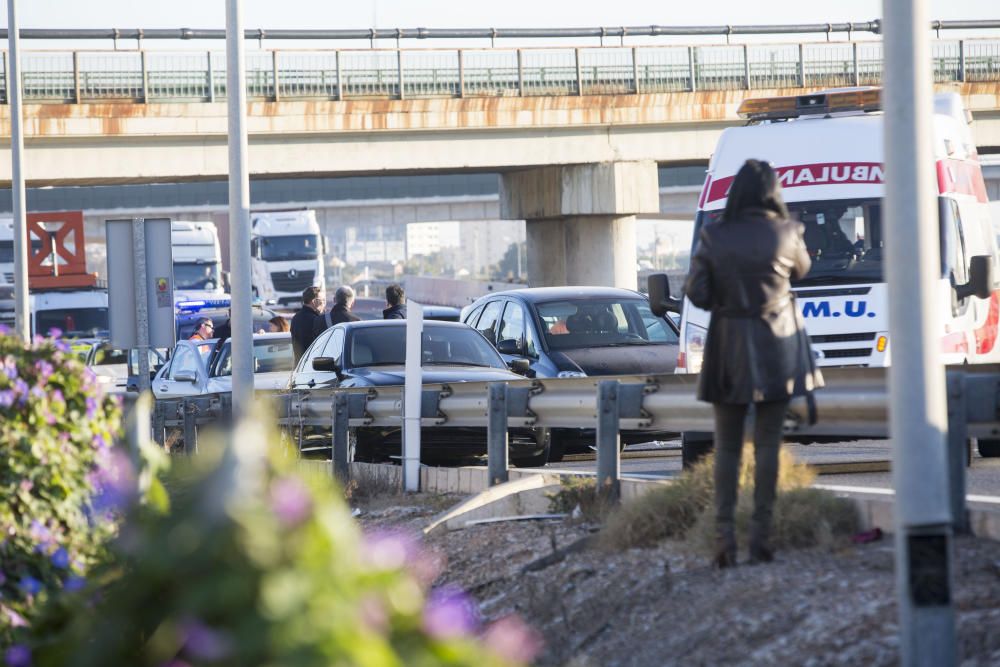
{"x": 389, "y": 549}
{"x": 74, "y": 583}
{"x": 60, "y": 558}
{"x": 21, "y": 389}
{"x": 38, "y": 392}
{"x": 42, "y": 536}
{"x": 18, "y": 655}
{"x": 57, "y": 396}
{"x": 30, "y": 586}
{"x": 4, "y": 329}
{"x": 15, "y": 619}
{"x": 113, "y": 480}
{"x": 99, "y": 442}
{"x": 7, "y": 398}
{"x": 91, "y": 407}
{"x": 512, "y": 639}
{"x": 204, "y": 643}
{"x": 55, "y": 332}
{"x": 450, "y": 613}
{"x": 290, "y": 501}
{"x": 10, "y": 370}
{"x": 45, "y": 370}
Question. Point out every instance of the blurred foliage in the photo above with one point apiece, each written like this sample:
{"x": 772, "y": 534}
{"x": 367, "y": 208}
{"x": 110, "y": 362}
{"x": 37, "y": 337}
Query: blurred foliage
{"x": 578, "y": 497}
{"x": 61, "y": 479}
{"x": 259, "y": 563}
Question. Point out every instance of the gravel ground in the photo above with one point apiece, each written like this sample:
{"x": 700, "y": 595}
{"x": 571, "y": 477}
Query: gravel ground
{"x": 665, "y": 606}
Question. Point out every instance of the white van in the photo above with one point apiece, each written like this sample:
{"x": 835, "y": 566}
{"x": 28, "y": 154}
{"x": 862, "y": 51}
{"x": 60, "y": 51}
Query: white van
{"x": 827, "y": 149}
{"x": 287, "y": 255}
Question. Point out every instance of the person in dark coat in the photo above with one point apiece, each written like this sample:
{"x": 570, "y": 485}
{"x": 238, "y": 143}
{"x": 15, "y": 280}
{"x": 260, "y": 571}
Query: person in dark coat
{"x": 304, "y": 321}
{"x": 343, "y": 301}
{"x": 757, "y": 351}
{"x": 395, "y": 299}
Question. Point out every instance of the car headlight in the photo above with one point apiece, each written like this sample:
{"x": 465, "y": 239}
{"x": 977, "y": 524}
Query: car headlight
{"x": 694, "y": 346}
{"x": 571, "y": 374}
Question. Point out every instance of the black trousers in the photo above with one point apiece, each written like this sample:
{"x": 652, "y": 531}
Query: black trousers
{"x": 729, "y": 428}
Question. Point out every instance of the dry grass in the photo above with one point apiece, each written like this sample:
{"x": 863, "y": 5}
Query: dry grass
{"x": 370, "y": 483}
{"x": 685, "y": 509}
{"x": 578, "y": 497}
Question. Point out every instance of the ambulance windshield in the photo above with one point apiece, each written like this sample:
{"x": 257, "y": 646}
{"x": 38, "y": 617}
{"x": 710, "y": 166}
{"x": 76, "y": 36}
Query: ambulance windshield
{"x": 843, "y": 236}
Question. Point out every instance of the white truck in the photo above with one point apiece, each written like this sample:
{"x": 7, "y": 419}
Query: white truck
{"x": 197, "y": 260}
{"x": 287, "y": 255}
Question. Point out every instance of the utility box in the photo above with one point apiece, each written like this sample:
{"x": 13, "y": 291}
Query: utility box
{"x": 124, "y": 290}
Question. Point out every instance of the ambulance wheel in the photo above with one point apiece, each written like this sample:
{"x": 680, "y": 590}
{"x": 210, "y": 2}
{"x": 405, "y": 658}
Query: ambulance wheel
{"x": 989, "y": 448}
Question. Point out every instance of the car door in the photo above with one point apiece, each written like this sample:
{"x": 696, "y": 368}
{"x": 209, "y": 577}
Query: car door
{"x": 515, "y": 339}
{"x": 489, "y": 320}
{"x": 185, "y": 376}
{"x": 305, "y": 377}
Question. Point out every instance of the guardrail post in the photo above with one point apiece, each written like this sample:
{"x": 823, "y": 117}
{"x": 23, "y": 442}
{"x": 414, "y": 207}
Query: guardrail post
{"x": 608, "y": 456}
{"x": 211, "y": 78}
{"x": 635, "y": 69}
{"x": 802, "y": 65}
{"x": 399, "y": 74}
{"x": 746, "y": 67}
{"x": 461, "y": 73}
{"x": 520, "y": 73}
{"x": 691, "y": 69}
{"x": 6, "y": 79}
{"x": 190, "y": 411}
{"x": 961, "y": 60}
{"x": 274, "y": 75}
{"x": 340, "y": 77}
{"x": 579, "y": 72}
{"x": 159, "y": 428}
{"x": 857, "y": 70}
{"x": 76, "y": 77}
{"x": 496, "y": 434}
{"x": 145, "y": 77}
{"x": 341, "y": 438}
{"x": 958, "y": 449}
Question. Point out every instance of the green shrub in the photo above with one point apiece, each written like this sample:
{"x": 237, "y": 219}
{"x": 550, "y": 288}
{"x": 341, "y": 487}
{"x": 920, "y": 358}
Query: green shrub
{"x": 578, "y": 497}
{"x": 60, "y": 475}
{"x": 260, "y": 563}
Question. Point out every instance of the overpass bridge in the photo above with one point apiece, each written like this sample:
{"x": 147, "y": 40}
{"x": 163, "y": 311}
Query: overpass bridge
{"x": 576, "y": 133}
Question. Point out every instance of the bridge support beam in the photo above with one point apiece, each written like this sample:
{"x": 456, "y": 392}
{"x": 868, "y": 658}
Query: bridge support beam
{"x": 580, "y": 220}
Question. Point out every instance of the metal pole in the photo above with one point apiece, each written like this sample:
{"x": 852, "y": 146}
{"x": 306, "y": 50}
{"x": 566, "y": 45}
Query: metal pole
{"x": 746, "y": 66}
{"x": 958, "y": 449}
{"x": 141, "y": 303}
{"x": 608, "y": 460}
{"x": 239, "y": 214}
{"x": 22, "y": 318}
{"x": 274, "y": 75}
{"x": 190, "y": 414}
{"x": 340, "y": 77}
{"x": 857, "y": 70}
{"x": 76, "y": 77}
{"x": 461, "y": 73}
{"x": 520, "y": 73}
{"x": 413, "y": 385}
{"x": 145, "y": 77}
{"x": 918, "y": 417}
{"x": 399, "y": 73}
{"x": 802, "y": 65}
{"x": 691, "y": 68}
{"x": 211, "y": 78}
{"x": 961, "y": 60}
{"x": 579, "y": 73}
{"x": 635, "y": 69}
{"x": 341, "y": 449}
{"x": 496, "y": 434}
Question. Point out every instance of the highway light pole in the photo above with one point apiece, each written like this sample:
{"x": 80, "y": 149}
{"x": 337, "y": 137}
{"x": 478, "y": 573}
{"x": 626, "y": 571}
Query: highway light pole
{"x": 918, "y": 421}
{"x": 239, "y": 214}
{"x": 22, "y": 318}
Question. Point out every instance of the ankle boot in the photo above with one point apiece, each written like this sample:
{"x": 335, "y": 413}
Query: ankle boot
{"x": 725, "y": 551}
{"x": 760, "y": 546}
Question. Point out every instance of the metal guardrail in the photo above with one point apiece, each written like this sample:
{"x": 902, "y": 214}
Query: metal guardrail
{"x": 146, "y": 76}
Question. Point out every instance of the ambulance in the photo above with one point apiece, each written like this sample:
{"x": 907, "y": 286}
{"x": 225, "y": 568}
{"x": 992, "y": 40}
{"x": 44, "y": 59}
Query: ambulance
{"x": 827, "y": 149}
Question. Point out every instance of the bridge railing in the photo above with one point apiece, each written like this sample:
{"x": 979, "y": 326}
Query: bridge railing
{"x": 344, "y": 74}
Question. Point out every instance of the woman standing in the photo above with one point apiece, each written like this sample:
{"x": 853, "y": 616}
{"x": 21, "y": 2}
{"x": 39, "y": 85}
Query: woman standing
{"x": 757, "y": 351}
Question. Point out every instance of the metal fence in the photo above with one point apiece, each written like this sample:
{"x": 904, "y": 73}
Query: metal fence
{"x": 167, "y": 76}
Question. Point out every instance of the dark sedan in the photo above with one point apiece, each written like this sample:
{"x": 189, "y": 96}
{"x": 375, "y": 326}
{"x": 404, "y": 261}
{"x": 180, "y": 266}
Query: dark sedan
{"x": 577, "y": 332}
{"x": 372, "y": 354}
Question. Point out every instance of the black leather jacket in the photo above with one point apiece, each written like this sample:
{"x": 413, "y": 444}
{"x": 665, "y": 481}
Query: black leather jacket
{"x": 757, "y": 348}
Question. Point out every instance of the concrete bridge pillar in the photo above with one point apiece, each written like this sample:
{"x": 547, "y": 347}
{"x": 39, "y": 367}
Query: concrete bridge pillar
{"x": 580, "y": 220}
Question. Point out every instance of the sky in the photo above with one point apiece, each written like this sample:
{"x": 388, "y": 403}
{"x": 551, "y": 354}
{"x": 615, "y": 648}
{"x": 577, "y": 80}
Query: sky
{"x": 270, "y": 14}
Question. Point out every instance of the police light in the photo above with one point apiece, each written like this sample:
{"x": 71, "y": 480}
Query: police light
{"x": 834, "y": 101}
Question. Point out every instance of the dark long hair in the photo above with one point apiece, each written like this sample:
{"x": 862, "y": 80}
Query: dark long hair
{"x": 756, "y": 186}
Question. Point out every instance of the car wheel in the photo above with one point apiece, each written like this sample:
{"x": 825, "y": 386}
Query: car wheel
{"x": 557, "y": 449}
{"x": 989, "y": 448}
{"x": 695, "y": 445}
{"x": 539, "y": 459}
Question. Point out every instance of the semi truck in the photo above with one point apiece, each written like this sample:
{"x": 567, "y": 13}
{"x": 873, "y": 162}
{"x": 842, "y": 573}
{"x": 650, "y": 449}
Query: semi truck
{"x": 287, "y": 255}
{"x": 197, "y": 260}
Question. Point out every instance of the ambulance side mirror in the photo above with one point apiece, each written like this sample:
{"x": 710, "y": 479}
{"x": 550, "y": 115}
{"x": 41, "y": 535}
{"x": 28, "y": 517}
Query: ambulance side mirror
{"x": 980, "y": 283}
{"x": 660, "y": 301}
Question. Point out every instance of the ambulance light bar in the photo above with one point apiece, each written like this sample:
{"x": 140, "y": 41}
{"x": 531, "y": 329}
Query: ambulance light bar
{"x": 780, "y": 108}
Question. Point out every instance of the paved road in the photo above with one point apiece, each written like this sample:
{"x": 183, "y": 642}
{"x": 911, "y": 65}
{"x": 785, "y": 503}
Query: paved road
{"x": 983, "y": 475}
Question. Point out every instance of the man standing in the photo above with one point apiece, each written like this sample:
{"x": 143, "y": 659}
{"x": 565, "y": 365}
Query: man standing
{"x": 395, "y": 299}
{"x": 343, "y": 301}
{"x": 204, "y": 330}
{"x": 304, "y": 321}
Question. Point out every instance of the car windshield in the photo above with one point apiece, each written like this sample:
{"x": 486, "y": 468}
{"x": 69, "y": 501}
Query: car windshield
{"x": 73, "y": 322}
{"x": 269, "y": 355}
{"x": 105, "y": 355}
{"x": 601, "y": 322}
{"x": 191, "y": 275}
{"x": 843, "y": 237}
{"x": 301, "y": 246}
{"x": 386, "y": 346}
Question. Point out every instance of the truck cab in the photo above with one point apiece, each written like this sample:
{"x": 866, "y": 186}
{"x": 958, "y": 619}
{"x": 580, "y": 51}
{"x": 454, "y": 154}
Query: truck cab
{"x": 197, "y": 260}
{"x": 287, "y": 255}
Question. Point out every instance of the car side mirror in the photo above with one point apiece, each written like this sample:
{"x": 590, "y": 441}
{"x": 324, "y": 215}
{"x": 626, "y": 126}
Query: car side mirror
{"x": 186, "y": 376}
{"x": 509, "y": 346}
{"x": 980, "y": 283}
{"x": 660, "y": 301}
{"x": 520, "y": 366}
{"x": 326, "y": 364}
